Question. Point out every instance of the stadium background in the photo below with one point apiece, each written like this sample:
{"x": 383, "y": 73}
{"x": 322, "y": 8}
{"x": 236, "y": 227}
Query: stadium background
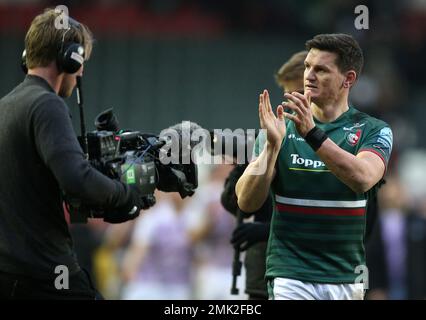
{"x": 160, "y": 62}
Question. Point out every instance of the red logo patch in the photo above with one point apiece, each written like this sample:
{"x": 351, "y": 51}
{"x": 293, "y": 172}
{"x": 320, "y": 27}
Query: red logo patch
{"x": 353, "y": 138}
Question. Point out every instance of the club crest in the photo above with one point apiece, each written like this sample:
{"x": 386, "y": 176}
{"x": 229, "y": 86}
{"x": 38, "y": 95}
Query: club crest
{"x": 353, "y": 137}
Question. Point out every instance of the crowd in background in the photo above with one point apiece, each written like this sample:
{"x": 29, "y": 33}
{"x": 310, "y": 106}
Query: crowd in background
{"x": 180, "y": 249}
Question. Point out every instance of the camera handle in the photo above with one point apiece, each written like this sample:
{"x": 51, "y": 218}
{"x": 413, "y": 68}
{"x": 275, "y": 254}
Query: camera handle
{"x": 83, "y": 137}
{"x": 236, "y": 263}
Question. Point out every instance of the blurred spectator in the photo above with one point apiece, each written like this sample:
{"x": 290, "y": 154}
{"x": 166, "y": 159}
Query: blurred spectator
{"x": 396, "y": 256}
{"x": 214, "y": 253}
{"x": 158, "y": 262}
{"x": 108, "y": 257}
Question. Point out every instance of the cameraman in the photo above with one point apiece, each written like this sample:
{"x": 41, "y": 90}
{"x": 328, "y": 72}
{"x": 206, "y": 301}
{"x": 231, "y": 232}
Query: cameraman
{"x": 41, "y": 157}
{"x": 253, "y": 236}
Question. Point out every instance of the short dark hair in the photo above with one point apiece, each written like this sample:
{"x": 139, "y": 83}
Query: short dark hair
{"x": 293, "y": 69}
{"x": 349, "y": 53}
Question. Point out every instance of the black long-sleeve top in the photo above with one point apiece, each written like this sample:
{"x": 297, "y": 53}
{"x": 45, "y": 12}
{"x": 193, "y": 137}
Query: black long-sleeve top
{"x": 40, "y": 156}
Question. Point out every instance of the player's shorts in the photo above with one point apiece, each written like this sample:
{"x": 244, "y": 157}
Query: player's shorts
{"x": 290, "y": 289}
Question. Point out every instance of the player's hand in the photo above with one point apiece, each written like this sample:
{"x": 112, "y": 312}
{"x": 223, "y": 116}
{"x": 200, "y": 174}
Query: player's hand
{"x": 275, "y": 125}
{"x": 302, "y": 116}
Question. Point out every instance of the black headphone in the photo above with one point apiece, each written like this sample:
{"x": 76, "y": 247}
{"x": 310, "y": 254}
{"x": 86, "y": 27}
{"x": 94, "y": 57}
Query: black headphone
{"x": 70, "y": 56}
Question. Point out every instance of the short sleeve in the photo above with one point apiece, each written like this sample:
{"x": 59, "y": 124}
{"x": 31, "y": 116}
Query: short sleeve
{"x": 379, "y": 141}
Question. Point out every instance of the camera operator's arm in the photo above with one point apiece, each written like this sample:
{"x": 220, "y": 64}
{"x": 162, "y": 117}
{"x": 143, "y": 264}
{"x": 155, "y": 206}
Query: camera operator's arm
{"x": 60, "y": 151}
{"x": 228, "y": 198}
{"x": 253, "y": 187}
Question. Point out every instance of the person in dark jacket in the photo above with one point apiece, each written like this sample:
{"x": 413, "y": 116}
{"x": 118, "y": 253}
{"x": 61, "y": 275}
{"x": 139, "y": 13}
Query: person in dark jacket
{"x": 40, "y": 160}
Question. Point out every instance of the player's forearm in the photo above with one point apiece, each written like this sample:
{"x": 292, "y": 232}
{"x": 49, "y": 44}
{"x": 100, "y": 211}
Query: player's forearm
{"x": 351, "y": 170}
{"x": 253, "y": 186}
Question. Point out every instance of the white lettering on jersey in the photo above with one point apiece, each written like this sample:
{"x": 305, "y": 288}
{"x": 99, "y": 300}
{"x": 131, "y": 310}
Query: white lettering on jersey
{"x": 308, "y": 163}
{"x": 356, "y": 125}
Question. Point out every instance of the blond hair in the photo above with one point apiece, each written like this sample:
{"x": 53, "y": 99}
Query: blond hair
{"x": 44, "y": 40}
{"x": 293, "y": 69}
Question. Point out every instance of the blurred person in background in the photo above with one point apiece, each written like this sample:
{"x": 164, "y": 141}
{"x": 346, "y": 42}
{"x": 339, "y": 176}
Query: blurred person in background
{"x": 159, "y": 260}
{"x": 40, "y": 159}
{"x": 213, "y": 253}
{"x": 396, "y": 255}
{"x": 320, "y": 163}
{"x": 252, "y": 236}
{"x": 108, "y": 258}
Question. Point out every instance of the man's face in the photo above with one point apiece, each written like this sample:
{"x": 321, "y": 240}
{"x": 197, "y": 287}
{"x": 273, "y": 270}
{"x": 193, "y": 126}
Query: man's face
{"x": 68, "y": 83}
{"x": 322, "y": 78}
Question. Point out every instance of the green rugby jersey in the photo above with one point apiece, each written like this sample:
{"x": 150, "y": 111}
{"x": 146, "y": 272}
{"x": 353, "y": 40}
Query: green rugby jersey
{"x": 318, "y": 223}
